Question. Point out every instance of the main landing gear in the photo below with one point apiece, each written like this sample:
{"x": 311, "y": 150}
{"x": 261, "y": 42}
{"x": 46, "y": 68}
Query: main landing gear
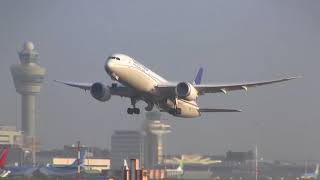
{"x": 150, "y": 105}
{"x": 133, "y": 110}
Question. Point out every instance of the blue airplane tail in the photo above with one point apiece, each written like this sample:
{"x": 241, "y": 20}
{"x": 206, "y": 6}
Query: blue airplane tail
{"x": 198, "y": 77}
{"x": 80, "y": 162}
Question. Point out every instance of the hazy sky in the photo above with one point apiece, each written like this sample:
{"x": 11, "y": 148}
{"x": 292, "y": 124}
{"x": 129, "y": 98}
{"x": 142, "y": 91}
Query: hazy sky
{"x": 234, "y": 40}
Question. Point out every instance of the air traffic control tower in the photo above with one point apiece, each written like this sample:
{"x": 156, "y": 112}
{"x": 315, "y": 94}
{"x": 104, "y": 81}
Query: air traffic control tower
{"x": 154, "y": 130}
{"x": 28, "y": 76}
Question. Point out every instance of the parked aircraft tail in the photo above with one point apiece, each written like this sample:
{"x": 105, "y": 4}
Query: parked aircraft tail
{"x": 80, "y": 162}
{"x": 3, "y": 157}
{"x": 180, "y": 167}
{"x": 317, "y": 170}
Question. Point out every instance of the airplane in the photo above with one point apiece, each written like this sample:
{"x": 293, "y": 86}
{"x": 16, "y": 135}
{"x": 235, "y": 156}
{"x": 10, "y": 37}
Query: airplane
{"x": 21, "y": 171}
{"x": 141, "y": 84}
{"x": 67, "y": 170}
{"x": 314, "y": 175}
{"x": 178, "y": 172}
{"x": 24, "y": 171}
{"x": 3, "y": 160}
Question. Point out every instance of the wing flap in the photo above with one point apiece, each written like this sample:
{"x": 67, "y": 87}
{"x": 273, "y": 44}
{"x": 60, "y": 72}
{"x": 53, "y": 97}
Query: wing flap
{"x": 218, "y": 110}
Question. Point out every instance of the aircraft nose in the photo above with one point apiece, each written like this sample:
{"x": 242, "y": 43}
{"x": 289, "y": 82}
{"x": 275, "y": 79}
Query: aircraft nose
{"x": 109, "y": 65}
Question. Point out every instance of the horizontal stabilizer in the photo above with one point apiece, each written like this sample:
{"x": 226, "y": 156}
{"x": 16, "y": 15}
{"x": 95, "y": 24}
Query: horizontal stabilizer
{"x": 218, "y": 110}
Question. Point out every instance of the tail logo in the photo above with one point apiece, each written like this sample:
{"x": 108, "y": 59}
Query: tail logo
{"x": 3, "y": 157}
{"x": 80, "y": 162}
{"x": 198, "y": 77}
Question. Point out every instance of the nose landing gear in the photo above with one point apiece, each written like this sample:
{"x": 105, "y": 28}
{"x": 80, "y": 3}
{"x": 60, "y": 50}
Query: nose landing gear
{"x": 133, "y": 110}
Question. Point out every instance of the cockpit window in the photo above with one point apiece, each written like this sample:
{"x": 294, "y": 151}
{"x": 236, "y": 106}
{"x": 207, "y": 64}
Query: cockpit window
{"x": 112, "y": 57}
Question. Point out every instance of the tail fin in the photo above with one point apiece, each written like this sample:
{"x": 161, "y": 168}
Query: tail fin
{"x": 80, "y": 162}
{"x": 198, "y": 78}
{"x": 180, "y": 167}
{"x": 3, "y": 157}
{"x": 317, "y": 170}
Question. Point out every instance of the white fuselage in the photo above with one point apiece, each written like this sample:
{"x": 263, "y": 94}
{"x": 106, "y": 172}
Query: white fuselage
{"x": 131, "y": 73}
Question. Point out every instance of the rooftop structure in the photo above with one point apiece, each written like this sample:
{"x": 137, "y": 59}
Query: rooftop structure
{"x": 125, "y": 145}
{"x": 9, "y": 135}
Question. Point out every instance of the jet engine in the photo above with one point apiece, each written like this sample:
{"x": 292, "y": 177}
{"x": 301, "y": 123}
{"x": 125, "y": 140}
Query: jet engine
{"x": 100, "y": 92}
{"x": 186, "y": 91}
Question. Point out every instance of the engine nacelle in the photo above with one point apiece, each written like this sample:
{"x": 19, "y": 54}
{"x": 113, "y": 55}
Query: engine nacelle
{"x": 100, "y": 92}
{"x": 186, "y": 91}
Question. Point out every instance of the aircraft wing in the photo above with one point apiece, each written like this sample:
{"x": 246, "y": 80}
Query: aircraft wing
{"x": 4, "y": 173}
{"x": 224, "y": 88}
{"x": 84, "y": 86}
{"x": 169, "y": 89}
{"x": 121, "y": 91}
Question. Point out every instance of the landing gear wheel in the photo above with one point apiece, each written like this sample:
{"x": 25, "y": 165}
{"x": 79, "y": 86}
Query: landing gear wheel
{"x": 133, "y": 110}
{"x": 136, "y": 110}
{"x": 149, "y": 106}
{"x": 130, "y": 111}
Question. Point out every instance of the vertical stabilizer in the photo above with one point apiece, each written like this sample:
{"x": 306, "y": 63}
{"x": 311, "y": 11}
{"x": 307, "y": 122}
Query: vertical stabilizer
{"x": 180, "y": 167}
{"x": 83, "y": 155}
{"x": 3, "y": 157}
{"x": 317, "y": 170}
{"x": 198, "y": 78}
